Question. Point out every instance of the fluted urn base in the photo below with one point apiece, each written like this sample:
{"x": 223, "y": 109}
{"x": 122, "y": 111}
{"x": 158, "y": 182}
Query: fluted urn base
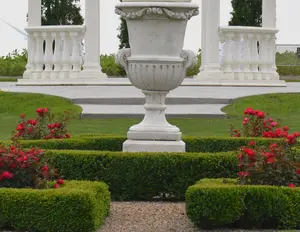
{"x": 154, "y": 133}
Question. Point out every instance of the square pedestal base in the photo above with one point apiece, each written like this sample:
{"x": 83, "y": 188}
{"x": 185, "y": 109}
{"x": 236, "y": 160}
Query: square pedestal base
{"x": 153, "y": 146}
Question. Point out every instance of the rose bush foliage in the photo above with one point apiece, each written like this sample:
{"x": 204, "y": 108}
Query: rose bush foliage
{"x": 25, "y": 168}
{"x": 274, "y": 164}
{"x": 45, "y": 126}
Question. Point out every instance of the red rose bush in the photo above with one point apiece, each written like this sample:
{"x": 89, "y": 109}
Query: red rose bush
{"x": 274, "y": 164}
{"x": 259, "y": 124}
{"x": 20, "y": 168}
{"x": 45, "y": 126}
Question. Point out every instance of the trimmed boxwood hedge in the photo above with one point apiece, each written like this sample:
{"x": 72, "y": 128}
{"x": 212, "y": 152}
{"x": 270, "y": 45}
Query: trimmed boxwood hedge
{"x": 114, "y": 143}
{"x": 143, "y": 176}
{"x": 78, "y": 206}
{"x": 213, "y": 204}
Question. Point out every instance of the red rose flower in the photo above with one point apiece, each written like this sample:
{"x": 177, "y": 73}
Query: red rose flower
{"x": 39, "y": 111}
{"x": 56, "y": 186}
{"x": 244, "y": 174}
{"x": 20, "y": 127}
{"x": 22, "y": 115}
{"x": 271, "y": 159}
{"x": 60, "y": 181}
{"x": 298, "y": 171}
{"x": 68, "y": 136}
{"x": 292, "y": 186}
{"x": 251, "y": 143}
{"x": 45, "y": 168}
{"x": 6, "y": 175}
{"x": 273, "y": 124}
{"x": 30, "y": 129}
{"x": 285, "y": 128}
{"x": 261, "y": 114}
{"x": 249, "y": 111}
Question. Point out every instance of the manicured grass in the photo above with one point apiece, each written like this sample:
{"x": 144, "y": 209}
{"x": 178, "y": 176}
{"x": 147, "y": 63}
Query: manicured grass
{"x": 13, "y": 104}
{"x": 283, "y": 106}
{"x": 8, "y": 79}
{"x": 120, "y": 126}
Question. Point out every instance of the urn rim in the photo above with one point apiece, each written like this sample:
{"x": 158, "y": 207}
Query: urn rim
{"x": 185, "y": 5}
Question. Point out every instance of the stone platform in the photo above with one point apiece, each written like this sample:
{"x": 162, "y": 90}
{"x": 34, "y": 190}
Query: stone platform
{"x": 127, "y": 101}
{"x": 116, "y": 81}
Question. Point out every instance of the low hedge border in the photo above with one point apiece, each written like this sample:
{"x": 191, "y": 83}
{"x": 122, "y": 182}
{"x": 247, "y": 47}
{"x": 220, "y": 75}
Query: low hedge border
{"x": 143, "y": 176}
{"x": 114, "y": 143}
{"x": 214, "y": 204}
{"x": 76, "y": 207}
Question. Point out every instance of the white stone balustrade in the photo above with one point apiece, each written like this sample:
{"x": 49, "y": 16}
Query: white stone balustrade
{"x": 56, "y": 52}
{"x": 248, "y": 53}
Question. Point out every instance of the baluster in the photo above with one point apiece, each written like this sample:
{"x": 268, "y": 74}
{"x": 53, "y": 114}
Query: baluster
{"x": 48, "y": 56}
{"x": 263, "y": 57}
{"x": 222, "y": 50}
{"x": 275, "y": 75}
{"x": 76, "y": 60}
{"x": 254, "y": 57}
{"x": 237, "y": 53}
{"x": 57, "y": 56}
{"x": 66, "y": 67}
{"x": 229, "y": 47}
{"x": 247, "y": 56}
{"x": 31, "y": 51}
{"x": 260, "y": 51}
{"x": 39, "y": 56}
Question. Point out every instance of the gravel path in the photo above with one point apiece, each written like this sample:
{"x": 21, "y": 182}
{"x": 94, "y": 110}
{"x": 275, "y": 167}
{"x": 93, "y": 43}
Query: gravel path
{"x": 147, "y": 217}
{"x": 155, "y": 217}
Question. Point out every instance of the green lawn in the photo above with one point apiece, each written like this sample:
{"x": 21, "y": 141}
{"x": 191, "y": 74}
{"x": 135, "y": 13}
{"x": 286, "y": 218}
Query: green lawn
{"x": 283, "y": 106}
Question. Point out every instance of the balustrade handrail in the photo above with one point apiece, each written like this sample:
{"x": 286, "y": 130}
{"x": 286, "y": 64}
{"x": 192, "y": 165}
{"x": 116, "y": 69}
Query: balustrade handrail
{"x": 63, "y": 28}
{"x": 244, "y": 29}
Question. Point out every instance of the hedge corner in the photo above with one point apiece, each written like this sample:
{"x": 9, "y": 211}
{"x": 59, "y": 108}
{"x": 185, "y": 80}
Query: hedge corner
{"x": 214, "y": 204}
{"x": 78, "y": 206}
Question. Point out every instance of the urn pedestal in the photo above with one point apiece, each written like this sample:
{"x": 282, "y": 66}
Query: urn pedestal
{"x": 156, "y": 64}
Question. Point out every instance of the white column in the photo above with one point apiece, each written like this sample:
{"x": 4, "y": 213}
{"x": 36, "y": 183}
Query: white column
{"x": 91, "y": 67}
{"x": 34, "y": 20}
{"x": 34, "y": 13}
{"x": 269, "y": 18}
{"x": 269, "y": 13}
{"x": 210, "y": 55}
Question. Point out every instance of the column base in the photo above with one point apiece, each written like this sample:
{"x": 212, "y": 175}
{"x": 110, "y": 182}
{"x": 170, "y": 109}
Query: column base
{"x": 91, "y": 73}
{"x": 210, "y": 75}
{"x": 154, "y": 135}
{"x": 153, "y": 146}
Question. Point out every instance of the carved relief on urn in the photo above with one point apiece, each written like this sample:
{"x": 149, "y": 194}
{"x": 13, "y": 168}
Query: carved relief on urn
{"x": 156, "y": 64}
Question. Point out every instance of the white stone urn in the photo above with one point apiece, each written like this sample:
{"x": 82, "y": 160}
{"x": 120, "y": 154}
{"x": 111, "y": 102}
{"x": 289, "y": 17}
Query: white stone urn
{"x": 156, "y": 64}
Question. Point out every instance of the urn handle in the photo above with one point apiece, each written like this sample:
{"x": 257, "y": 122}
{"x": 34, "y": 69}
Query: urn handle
{"x": 190, "y": 58}
{"x": 121, "y": 58}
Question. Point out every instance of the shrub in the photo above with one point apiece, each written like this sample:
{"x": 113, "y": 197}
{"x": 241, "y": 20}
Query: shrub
{"x": 77, "y": 207}
{"x": 143, "y": 176}
{"x": 114, "y": 143}
{"x": 259, "y": 124}
{"x": 45, "y": 126}
{"x": 276, "y": 164}
{"x": 219, "y": 203}
{"x": 21, "y": 168}
{"x": 109, "y": 66}
{"x": 14, "y": 63}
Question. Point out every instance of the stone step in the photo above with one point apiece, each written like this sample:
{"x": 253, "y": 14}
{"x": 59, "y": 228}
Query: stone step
{"x": 141, "y": 101}
{"x": 137, "y": 111}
